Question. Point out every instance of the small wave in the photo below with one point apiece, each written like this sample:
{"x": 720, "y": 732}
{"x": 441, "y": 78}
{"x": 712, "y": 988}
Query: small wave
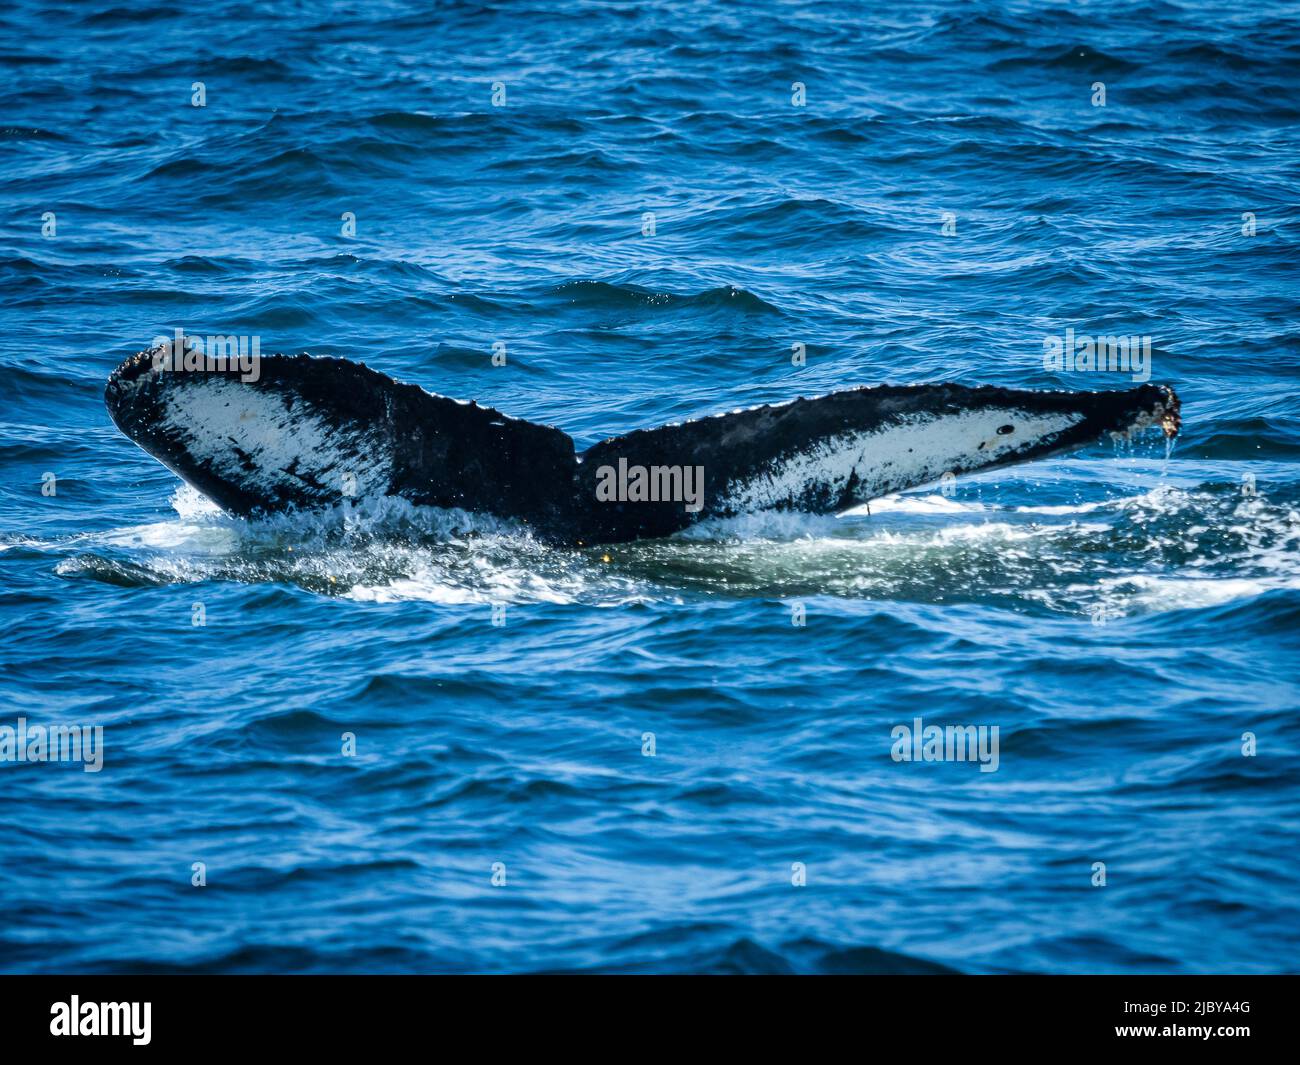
{"x": 29, "y": 133}
{"x": 1248, "y": 439}
{"x": 128, "y": 16}
{"x": 116, "y": 572}
{"x": 598, "y": 294}
{"x": 778, "y": 223}
{"x": 712, "y": 949}
{"x": 1080, "y": 57}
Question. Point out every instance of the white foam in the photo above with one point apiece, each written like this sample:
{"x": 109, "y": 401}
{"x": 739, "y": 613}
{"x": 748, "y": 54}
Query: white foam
{"x": 1142, "y": 593}
{"x": 763, "y": 525}
{"x": 915, "y": 504}
{"x": 1063, "y": 510}
{"x": 1190, "y": 548}
{"x": 189, "y": 502}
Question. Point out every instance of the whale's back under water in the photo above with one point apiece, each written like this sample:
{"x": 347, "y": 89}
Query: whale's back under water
{"x": 305, "y": 433}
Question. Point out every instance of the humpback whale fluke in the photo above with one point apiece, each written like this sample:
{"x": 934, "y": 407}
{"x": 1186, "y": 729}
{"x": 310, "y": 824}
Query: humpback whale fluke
{"x": 311, "y": 432}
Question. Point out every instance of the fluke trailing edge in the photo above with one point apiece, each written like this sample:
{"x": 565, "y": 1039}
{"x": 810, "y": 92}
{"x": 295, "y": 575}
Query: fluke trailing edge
{"x": 309, "y": 432}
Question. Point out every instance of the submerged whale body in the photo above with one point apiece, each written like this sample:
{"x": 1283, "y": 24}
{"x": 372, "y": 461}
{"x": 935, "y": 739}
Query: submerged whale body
{"x": 309, "y": 433}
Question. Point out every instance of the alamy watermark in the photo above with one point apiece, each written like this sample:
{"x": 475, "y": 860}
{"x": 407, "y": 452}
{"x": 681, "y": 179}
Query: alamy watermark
{"x": 952, "y": 743}
{"x": 651, "y": 484}
{"x": 53, "y": 743}
{"x": 1098, "y": 354}
{"x": 197, "y": 354}
{"x": 77, "y": 1018}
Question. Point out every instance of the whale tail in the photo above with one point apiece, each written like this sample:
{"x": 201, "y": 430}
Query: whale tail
{"x": 306, "y": 433}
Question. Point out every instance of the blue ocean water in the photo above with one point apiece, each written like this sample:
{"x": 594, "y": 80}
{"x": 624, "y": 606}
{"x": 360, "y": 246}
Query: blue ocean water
{"x": 641, "y": 761}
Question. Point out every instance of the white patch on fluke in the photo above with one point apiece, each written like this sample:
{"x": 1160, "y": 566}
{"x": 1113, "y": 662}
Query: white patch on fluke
{"x": 902, "y": 455}
{"x": 216, "y": 420}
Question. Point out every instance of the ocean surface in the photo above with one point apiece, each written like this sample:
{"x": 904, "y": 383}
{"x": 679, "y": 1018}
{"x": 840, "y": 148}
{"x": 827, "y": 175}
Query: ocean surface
{"x": 393, "y": 740}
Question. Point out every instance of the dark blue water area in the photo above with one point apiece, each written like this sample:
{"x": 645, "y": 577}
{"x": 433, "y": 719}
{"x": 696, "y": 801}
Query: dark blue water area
{"x": 634, "y": 758}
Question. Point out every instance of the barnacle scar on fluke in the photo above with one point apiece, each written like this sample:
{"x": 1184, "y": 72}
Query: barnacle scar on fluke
{"x": 307, "y": 433}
